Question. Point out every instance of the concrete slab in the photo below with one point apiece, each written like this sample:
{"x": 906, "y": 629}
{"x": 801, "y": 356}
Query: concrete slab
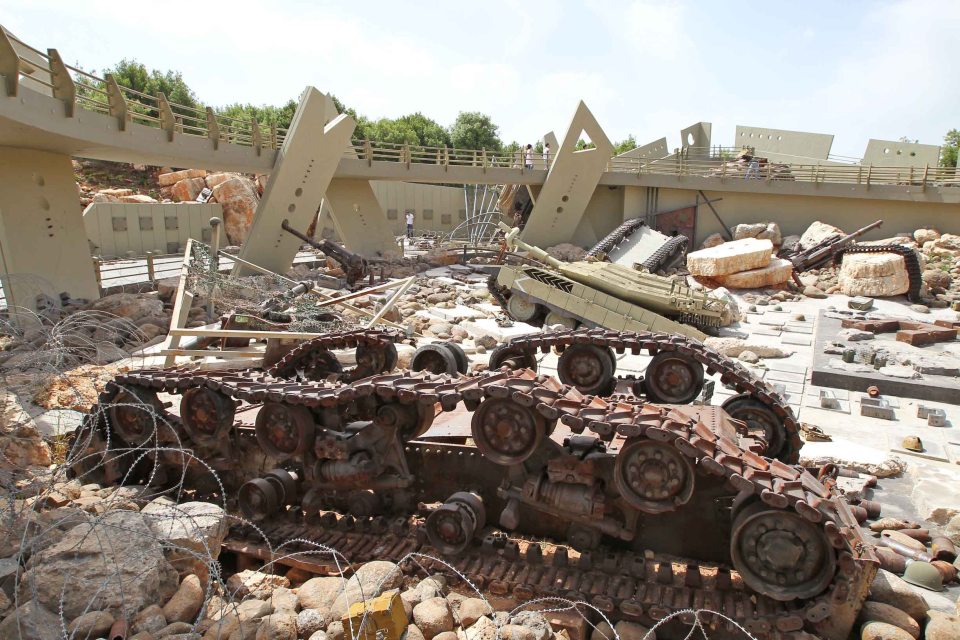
{"x": 843, "y": 406}
{"x": 804, "y": 329}
{"x": 841, "y": 394}
{"x": 771, "y": 323}
{"x": 892, "y": 401}
{"x": 459, "y": 312}
{"x": 489, "y": 327}
{"x": 932, "y": 450}
{"x": 784, "y": 364}
{"x": 766, "y": 331}
{"x": 797, "y": 340}
{"x": 786, "y": 376}
{"x": 58, "y": 422}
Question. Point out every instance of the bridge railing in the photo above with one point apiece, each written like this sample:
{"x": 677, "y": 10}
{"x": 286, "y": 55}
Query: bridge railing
{"x": 45, "y": 71}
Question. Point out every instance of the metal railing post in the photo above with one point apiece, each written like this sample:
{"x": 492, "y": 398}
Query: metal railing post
{"x": 255, "y": 135}
{"x": 273, "y": 137}
{"x": 213, "y": 128}
{"x": 368, "y": 151}
{"x": 64, "y": 88}
{"x": 9, "y": 64}
{"x": 116, "y": 102}
{"x": 483, "y": 157}
{"x": 167, "y": 120}
{"x": 869, "y": 171}
{"x": 406, "y": 155}
{"x": 151, "y": 271}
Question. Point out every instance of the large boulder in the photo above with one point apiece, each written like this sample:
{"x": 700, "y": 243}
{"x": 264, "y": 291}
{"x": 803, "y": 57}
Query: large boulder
{"x": 238, "y": 196}
{"x": 129, "y": 305}
{"x": 319, "y": 594}
{"x": 186, "y": 602}
{"x": 733, "y": 347}
{"x": 191, "y": 533}
{"x": 819, "y": 232}
{"x": 776, "y": 272}
{"x": 30, "y": 621}
{"x": 187, "y": 190}
{"x": 730, "y": 257}
{"x": 433, "y": 617}
{"x": 369, "y": 581}
{"x": 882, "y": 612}
{"x": 138, "y": 198}
{"x": 889, "y": 588}
{"x": 21, "y": 445}
{"x": 760, "y": 230}
{"x": 168, "y": 179}
{"x": 113, "y": 564}
{"x": 923, "y": 236}
{"x": 873, "y": 274}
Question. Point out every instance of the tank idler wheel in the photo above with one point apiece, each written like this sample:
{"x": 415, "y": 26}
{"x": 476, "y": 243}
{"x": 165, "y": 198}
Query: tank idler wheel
{"x": 284, "y": 430}
{"x": 522, "y": 309}
{"x": 513, "y": 357}
{"x": 653, "y": 476}
{"x": 135, "y": 415}
{"x": 554, "y": 318}
{"x": 673, "y": 378}
{"x": 587, "y": 367}
{"x": 375, "y": 358}
{"x": 207, "y": 414}
{"x": 452, "y": 526}
{"x": 435, "y": 358}
{"x": 761, "y": 421}
{"x": 285, "y": 483}
{"x": 258, "y": 499}
{"x": 506, "y": 432}
{"x": 780, "y": 554}
{"x": 463, "y": 362}
{"x": 319, "y": 365}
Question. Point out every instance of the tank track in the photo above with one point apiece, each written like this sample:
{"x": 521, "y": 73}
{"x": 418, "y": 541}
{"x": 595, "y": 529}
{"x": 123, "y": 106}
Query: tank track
{"x": 667, "y": 255}
{"x": 497, "y": 292}
{"x": 732, "y": 373}
{"x": 572, "y": 484}
{"x": 910, "y": 257}
{"x": 615, "y": 237}
{"x": 375, "y": 344}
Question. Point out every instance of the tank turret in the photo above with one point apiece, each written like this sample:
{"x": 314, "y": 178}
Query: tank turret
{"x": 602, "y": 294}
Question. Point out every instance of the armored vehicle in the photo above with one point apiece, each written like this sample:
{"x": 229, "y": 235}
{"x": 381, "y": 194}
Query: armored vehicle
{"x": 598, "y": 294}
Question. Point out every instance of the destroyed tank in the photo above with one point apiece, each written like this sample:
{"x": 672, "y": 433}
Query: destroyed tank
{"x": 354, "y": 466}
{"x": 599, "y": 294}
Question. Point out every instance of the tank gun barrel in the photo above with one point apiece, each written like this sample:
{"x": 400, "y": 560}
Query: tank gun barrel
{"x": 513, "y": 243}
{"x": 821, "y": 253}
{"x": 354, "y": 266}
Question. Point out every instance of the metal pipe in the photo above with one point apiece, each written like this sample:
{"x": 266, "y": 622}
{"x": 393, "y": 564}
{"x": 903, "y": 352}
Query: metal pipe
{"x": 118, "y": 631}
{"x": 905, "y": 551}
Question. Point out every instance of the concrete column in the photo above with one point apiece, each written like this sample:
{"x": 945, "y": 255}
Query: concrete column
{"x": 43, "y": 244}
{"x": 570, "y": 183}
{"x": 316, "y": 141}
{"x": 359, "y": 218}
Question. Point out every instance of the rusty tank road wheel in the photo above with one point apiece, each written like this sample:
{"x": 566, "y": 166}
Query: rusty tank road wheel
{"x": 507, "y": 432}
{"x": 319, "y": 365}
{"x": 653, "y": 477}
{"x": 435, "y": 358}
{"x": 135, "y": 415}
{"x": 673, "y": 378}
{"x": 207, "y": 414}
{"x": 761, "y": 421}
{"x": 410, "y": 420}
{"x": 587, "y": 367}
{"x": 513, "y": 357}
{"x": 284, "y": 430}
{"x": 373, "y": 359}
{"x": 781, "y": 554}
{"x": 258, "y": 499}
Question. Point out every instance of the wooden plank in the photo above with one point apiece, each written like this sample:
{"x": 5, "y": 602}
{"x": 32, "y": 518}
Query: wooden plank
{"x": 180, "y": 312}
{"x": 210, "y": 353}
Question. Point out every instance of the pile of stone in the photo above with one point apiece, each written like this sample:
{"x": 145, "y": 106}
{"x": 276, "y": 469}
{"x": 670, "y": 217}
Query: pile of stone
{"x": 740, "y": 169}
{"x": 745, "y": 263}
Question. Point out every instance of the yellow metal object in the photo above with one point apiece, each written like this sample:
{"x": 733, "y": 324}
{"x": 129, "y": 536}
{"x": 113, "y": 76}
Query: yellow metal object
{"x": 382, "y": 616}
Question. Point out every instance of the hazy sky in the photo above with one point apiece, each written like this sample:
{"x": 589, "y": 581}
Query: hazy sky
{"x": 854, "y": 69}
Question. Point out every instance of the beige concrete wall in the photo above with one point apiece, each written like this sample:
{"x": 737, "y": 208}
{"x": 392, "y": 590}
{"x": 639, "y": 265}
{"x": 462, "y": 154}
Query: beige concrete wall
{"x": 650, "y": 151}
{"x": 116, "y": 229}
{"x": 604, "y": 213}
{"x": 435, "y": 208}
{"x": 40, "y": 225}
{"x": 783, "y": 145}
{"x": 893, "y": 153}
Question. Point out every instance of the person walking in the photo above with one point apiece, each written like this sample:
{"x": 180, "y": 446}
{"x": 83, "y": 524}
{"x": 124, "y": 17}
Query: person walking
{"x": 546, "y": 155}
{"x": 528, "y": 157}
{"x": 409, "y": 224}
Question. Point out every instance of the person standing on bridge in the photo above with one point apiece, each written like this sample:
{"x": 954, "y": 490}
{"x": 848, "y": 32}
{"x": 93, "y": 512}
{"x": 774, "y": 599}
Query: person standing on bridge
{"x": 528, "y": 157}
{"x": 409, "y": 217}
{"x": 546, "y": 155}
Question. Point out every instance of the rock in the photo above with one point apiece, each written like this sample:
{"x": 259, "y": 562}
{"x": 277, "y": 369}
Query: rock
{"x": 487, "y": 342}
{"x": 813, "y": 292}
{"x": 239, "y": 199}
{"x": 322, "y": 635}
{"x": 899, "y": 371}
{"x": 919, "y": 308}
{"x": 369, "y": 581}
{"x": 937, "y": 279}
{"x": 952, "y": 529}
{"x": 942, "y": 626}
{"x": 567, "y": 252}
{"x": 413, "y": 633}
{"x": 309, "y": 621}
{"x": 776, "y": 272}
{"x": 742, "y": 231}
{"x": 880, "y": 612}
{"x": 30, "y": 621}
{"x": 319, "y": 594}
{"x": 602, "y": 631}
{"x": 895, "y": 591}
{"x": 433, "y": 616}
{"x": 214, "y": 179}
{"x": 632, "y": 631}
{"x": 117, "y": 192}
{"x": 519, "y": 632}
{"x": 168, "y": 179}
{"x": 138, "y": 198}
{"x": 278, "y": 626}
{"x": 535, "y": 621}
{"x": 733, "y": 347}
{"x": 922, "y": 236}
{"x": 190, "y": 532}
{"x": 893, "y": 524}
{"x": 255, "y": 583}
{"x": 748, "y": 356}
{"x": 129, "y": 305}
{"x": 335, "y": 631}
{"x": 115, "y": 565}
{"x": 482, "y": 629}
{"x": 817, "y": 233}
{"x": 187, "y": 190}
{"x": 789, "y": 243}
{"x": 873, "y": 274}
{"x": 186, "y": 602}
{"x": 712, "y": 240}
{"x": 882, "y": 631}
{"x": 283, "y": 599}
{"x": 854, "y": 335}
{"x": 150, "y": 620}
{"x": 175, "y": 630}
{"x": 472, "y": 609}
{"x": 730, "y": 257}
{"x": 448, "y": 635}
{"x": 92, "y": 624}
{"x": 938, "y": 515}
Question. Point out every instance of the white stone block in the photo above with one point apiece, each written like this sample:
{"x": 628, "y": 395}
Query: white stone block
{"x": 730, "y": 257}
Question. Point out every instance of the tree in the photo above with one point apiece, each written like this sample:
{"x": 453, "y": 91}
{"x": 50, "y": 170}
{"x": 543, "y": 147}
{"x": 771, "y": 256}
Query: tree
{"x": 948, "y": 152}
{"x": 583, "y": 144}
{"x": 625, "y": 145}
{"x": 134, "y": 75}
{"x": 281, "y": 117}
{"x": 429, "y": 132}
{"x": 474, "y": 130}
{"x": 393, "y": 132}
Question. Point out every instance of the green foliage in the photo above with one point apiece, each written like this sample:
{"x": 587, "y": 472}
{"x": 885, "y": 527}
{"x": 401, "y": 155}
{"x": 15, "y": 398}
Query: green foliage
{"x": 948, "y": 152}
{"x": 629, "y": 144}
{"x": 583, "y": 144}
{"x": 429, "y": 132}
{"x": 281, "y": 117}
{"x": 134, "y": 75}
{"x": 474, "y": 130}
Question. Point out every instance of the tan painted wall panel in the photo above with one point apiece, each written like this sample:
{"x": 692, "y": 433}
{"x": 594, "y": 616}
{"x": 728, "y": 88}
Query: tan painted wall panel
{"x": 192, "y": 221}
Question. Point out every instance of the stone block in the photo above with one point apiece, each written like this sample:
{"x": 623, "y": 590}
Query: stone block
{"x": 873, "y": 274}
{"x": 776, "y": 272}
{"x": 187, "y": 190}
{"x": 168, "y": 179}
{"x": 730, "y": 257}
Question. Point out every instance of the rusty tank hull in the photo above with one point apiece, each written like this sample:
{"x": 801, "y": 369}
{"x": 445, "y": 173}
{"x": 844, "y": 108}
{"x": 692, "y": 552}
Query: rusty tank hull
{"x": 539, "y": 460}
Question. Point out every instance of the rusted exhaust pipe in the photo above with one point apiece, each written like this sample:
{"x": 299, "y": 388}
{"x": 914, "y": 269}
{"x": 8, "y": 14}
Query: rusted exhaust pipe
{"x": 118, "y": 631}
{"x": 943, "y": 549}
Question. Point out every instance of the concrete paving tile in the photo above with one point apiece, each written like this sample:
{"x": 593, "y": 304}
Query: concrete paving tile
{"x": 786, "y": 376}
{"x": 784, "y": 365}
{"x": 892, "y": 401}
{"x": 843, "y": 406}
{"x": 798, "y": 340}
{"x": 765, "y": 331}
{"x": 798, "y": 329}
{"x": 841, "y": 394}
{"x": 932, "y": 450}
{"x": 771, "y": 323}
